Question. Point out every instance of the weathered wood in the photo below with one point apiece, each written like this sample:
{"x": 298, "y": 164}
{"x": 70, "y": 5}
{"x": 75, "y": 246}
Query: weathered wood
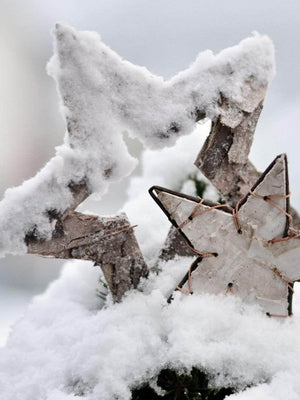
{"x": 174, "y": 245}
{"x": 223, "y": 158}
{"x": 109, "y": 242}
{"x": 245, "y": 261}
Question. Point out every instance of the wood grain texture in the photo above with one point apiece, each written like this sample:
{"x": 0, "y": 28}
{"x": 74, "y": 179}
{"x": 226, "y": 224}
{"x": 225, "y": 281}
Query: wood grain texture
{"x": 108, "y": 242}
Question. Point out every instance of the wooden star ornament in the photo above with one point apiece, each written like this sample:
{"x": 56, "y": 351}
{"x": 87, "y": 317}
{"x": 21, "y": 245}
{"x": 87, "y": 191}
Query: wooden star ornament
{"x": 247, "y": 251}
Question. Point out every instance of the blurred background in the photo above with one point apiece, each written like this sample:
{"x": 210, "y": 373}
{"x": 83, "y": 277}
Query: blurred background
{"x": 165, "y": 36}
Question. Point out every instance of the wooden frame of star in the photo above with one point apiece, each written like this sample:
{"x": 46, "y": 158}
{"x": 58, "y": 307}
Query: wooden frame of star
{"x": 243, "y": 250}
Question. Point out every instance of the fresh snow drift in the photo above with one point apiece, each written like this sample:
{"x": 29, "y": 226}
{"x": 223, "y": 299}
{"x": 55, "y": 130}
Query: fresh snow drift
{"x": 103, "y": 96}
{"x": 67, "y": 345}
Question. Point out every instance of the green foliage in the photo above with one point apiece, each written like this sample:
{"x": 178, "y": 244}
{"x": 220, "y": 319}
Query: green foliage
{"x": 200, "y": 186}
{"x": 182, "y": 387}
{"x": 103, "y": 291}
{"x": 221, "y": 200}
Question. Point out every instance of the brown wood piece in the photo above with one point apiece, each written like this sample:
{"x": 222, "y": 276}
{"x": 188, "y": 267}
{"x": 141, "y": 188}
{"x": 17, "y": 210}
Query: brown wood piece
{"x": 175, "y": 244}
{"x": 223, "y": 158}
{"x": 108, "y": 242}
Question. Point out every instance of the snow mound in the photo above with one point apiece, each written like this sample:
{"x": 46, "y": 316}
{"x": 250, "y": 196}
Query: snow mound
{"x": 68, "y": 344}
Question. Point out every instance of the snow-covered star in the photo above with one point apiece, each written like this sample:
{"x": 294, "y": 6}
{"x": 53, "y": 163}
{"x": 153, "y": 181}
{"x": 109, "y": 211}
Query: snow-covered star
{"x": 241, "y": 250}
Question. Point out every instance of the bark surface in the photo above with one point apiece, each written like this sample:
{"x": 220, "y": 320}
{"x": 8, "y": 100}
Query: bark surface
{"x": 224, "y": 160}
{"x": 108, "y": 242}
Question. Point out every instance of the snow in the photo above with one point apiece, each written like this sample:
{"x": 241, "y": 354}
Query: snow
{"x": 102, "y": 93}
{"x": 103, "y": 96}
{"x": 12, "y": 306}
{"x": 69, "y": 344}
{"x": 169, "y": 167}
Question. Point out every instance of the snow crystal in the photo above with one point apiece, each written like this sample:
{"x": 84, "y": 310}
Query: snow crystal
{"x": 102, "y": 96}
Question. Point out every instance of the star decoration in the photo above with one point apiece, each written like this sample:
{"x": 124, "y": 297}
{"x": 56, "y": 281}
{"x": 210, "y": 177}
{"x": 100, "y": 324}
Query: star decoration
{"x": 245, "y": 251}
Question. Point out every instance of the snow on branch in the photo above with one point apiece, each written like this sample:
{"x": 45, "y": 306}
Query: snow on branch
{"x": 102, "y": 96}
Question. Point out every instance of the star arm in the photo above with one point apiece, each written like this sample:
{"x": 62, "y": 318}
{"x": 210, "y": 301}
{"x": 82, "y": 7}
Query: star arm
{"x": 96, "y": 83}
{"x": 263, "y": 211}
{"x": 204, "y": 228}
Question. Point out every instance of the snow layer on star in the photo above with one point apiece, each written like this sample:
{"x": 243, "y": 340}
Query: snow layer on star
{"x": 103, "y": 96}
